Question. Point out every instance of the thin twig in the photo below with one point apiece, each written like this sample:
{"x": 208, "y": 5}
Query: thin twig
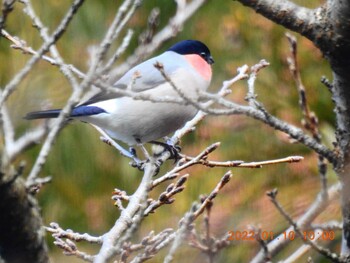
{"x": 149, "y": 245}
{"x": 74, "y": 99}
{"x": 323, "y": 251}
{"x": 331, "y": 225}
{"x": 167, "y": 197}
{"x": 310, "y": 120}
{"x": 272, "y": 121}
{"x": 181, "y": 166}
{"x": 179, "y": 236}
{"x": 302, "y": 250}
{"x": 70, "y": 249}
{"x": 57, "y": 231}
{"x": 6, "y": 9}
{"x": 22, "y": 45}
{"x": 315, "y": 209}
{"x": 263, "y": 244}
{"x": 191, "y": 216}
{"x": 251, "y": 96}
{"x": 125, "y": 43}
{"x": 224, "y": 180}
{"x": 242, "y": 164}
{"x": 171, "y": 29}
{"x": 110, "y": 239}
{"x": 11, "y": 86}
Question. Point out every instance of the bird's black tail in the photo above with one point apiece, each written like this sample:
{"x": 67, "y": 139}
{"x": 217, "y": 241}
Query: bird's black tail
{"x": 79, "y": 111}
{"x": 42, "y": 114}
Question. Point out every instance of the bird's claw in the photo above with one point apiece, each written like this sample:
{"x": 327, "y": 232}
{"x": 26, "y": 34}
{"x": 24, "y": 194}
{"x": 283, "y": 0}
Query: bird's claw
{"x": 141, "y": 165}
{"x": 174, "y": 150}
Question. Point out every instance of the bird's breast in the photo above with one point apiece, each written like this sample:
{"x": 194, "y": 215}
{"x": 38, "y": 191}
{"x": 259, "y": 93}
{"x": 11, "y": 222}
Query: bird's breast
{"x": 200, "y": 65}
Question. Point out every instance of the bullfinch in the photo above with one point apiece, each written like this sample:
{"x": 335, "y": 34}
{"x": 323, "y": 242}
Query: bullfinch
{"x": 188, "y": 66}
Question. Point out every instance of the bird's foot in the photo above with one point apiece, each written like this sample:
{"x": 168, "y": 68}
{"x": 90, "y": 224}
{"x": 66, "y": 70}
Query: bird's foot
{"x": 174, "y": 150}
{"x": 141, "y": 165}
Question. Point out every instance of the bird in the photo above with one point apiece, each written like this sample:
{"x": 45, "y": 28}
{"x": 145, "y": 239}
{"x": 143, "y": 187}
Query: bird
{"x": 188, "y": 64}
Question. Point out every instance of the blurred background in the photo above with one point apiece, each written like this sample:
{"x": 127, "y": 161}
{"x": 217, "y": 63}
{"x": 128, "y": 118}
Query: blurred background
{"x": 85, "y": 171}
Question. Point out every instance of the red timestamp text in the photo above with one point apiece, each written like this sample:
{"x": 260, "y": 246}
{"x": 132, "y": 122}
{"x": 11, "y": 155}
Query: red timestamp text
{"x": 250, "y": 235}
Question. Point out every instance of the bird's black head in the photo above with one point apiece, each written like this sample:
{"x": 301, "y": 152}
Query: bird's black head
{"x": 187, "y": 47}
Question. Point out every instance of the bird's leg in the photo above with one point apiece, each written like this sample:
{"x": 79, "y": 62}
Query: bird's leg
{"x": 141, "y": 165}
{"x": 132, "y": 150}
{"x": 169, "y": 146}
{"x": 107, "y": 139}
{"x": 145, "y": 152}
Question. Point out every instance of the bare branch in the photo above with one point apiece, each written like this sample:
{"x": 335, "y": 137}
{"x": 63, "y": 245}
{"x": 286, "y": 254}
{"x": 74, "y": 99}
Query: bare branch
{"x": 170, "y": 175}
{"x": 43, "y": 31}
{"x": 178, "y": 237}
{"x": 315, "y": 209}
{"x": 26, "y": 141}
{"x": 310, "y": 120}
{"x": 330, "y": 255}
{"x": 118, "y": 197}
{"x": 224, "y": 180}
{"x": 265, "y": 117}
{"x": 119, "y": 52}
{"x": 12, "y": 147}
{"x": 139, "y": 198}
{"x": 70, "y": 249}
{"x": 22, "y": 45}
{"x": 289, "y": 15}
{"x": 149, "y": 245}
{"x": 302, "y": 250}
{"x": 262, "y": 243}
{"x": 190, "y": 217}
{"x": 9, "y": 135}
{"x": 167, "y": 196}
{"x": 10, "y": 87}
{"x": 251, "y": 96}
{"x": 58, "y": 232}
{"x": 257, "y": 112}
{"x": 6, "y": 9}
{"x": 331, "y": 225}
{"x": 175, "y": 24}
{"x": 74, "y": 98}
{"x": 289, "y": 159}
{"x": 123, "y": 15}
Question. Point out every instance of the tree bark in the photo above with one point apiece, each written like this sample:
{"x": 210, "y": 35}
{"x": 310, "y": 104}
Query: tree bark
{"x": 21, "y": 232}
{"x": 328, "y": 27}
{"x": 339, "y": 58}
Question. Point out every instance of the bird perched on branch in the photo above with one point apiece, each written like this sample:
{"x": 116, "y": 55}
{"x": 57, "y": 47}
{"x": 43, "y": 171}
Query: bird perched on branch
{"x": 185, "y": 71}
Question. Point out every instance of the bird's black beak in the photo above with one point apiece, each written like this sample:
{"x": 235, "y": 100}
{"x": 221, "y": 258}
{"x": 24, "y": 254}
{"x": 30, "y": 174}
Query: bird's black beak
{"x": 210, "y": 60}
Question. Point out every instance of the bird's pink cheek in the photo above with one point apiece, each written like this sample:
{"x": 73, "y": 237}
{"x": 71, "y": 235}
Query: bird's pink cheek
{"x": 200, "y": 65}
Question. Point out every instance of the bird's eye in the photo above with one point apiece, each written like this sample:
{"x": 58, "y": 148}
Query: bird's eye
{"x": 203, "y": 55}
